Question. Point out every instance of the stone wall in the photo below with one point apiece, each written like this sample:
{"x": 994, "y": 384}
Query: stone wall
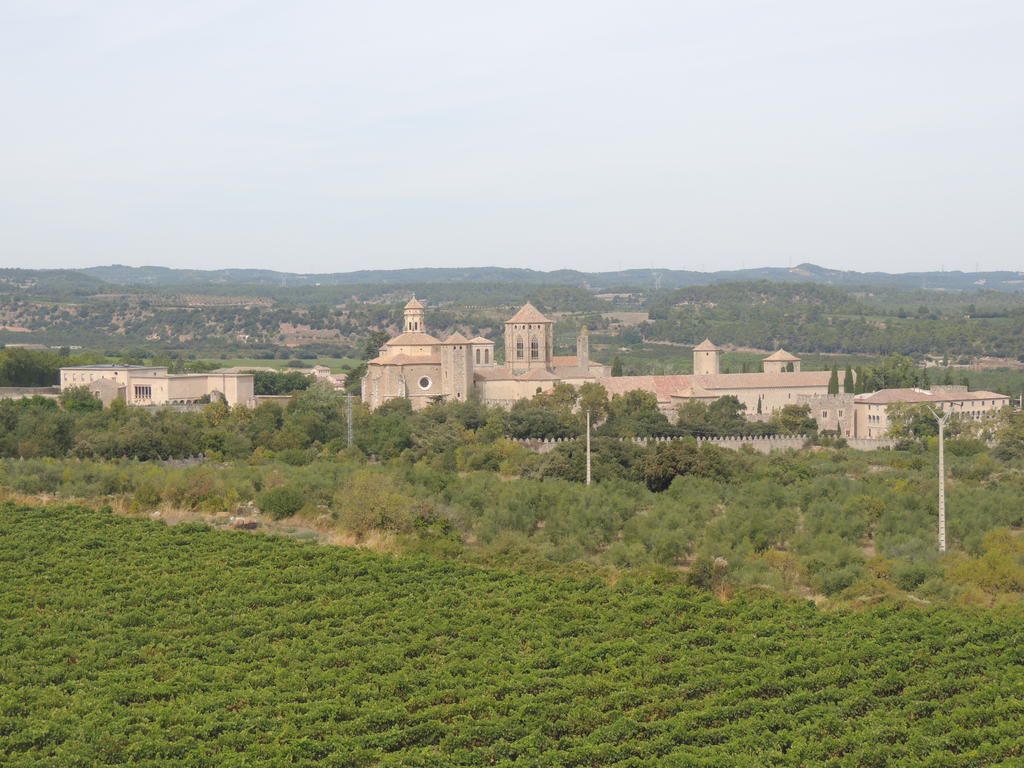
{"x": 758, "y": 444}
{"x": 17, "y": 393}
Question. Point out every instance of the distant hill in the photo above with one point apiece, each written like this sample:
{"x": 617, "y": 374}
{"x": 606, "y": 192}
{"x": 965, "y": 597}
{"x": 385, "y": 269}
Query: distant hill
{"x": 625, "y": 279}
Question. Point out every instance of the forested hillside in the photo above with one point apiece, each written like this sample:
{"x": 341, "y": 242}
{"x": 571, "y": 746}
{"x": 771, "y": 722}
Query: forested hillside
{"x": 133, "y": 643}
{"x": 266, "y": 318}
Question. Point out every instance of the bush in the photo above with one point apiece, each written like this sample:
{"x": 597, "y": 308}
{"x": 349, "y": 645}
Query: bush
{"x": 282, "y": 502}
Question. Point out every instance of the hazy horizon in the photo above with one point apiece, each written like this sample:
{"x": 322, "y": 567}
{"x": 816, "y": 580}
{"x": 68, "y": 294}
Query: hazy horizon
{"x": 318, "y": 137}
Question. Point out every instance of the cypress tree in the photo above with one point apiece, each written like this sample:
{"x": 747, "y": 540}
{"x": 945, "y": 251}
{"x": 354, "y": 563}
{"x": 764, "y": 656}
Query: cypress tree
{"x": 616, "y": 366}
{"x": 848, "y": 381}
{"x": 858, "y": 387}
{"x": 833, "y": 382}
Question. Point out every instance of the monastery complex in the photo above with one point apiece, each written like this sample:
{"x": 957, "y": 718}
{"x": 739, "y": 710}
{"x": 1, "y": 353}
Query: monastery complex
{"x": 417, "y": 366}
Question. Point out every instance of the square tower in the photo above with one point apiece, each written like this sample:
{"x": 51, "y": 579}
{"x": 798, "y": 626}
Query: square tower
{"x": 529, "y": 341}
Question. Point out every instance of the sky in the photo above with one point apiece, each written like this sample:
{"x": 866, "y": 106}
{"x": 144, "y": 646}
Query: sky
{"x": 311, "y": 136}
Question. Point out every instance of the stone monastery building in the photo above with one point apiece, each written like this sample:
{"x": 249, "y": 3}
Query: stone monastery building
{"x": 418, "y": 366}
{"x": 422, "y": 368}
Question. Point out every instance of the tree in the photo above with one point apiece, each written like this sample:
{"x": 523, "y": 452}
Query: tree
{"x": 664, "y": 461}
{"x": 848, "y": 385}
{"x": 725, "y": 416}
{"x": 594, "y": 398}
{"x": 911, "y": 421}
{"x": 27, "y": 368}
{"x": 80, "y": 399}
{"x": 279, "y": 382}
{"x": 635, "y": 414}
{"x": 794, "y": 420}
{"x": 833, "y": 382}
{"x": 374, "y": 342}
{"x": 616, "y": 366}
{"x": 354, "y": 378}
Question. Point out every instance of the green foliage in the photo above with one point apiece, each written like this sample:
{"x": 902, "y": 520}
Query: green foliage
{"x": 794, "y": 420}
{"x": 280, "y": 382}
{"x": 281, "y": 502}
{"x": 128, "y": 642}
{"x": 848, "y": 382}
{"x": 80, "y": 399}
{"x": 665, "y": 461}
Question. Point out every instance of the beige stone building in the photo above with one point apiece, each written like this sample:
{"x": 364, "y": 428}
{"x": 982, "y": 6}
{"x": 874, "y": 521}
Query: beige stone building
{"x": 782, "y": 383}
{"x": 153, "y": 385}
{"x": 872, "y": 409}
{"x": 425, "y": 369}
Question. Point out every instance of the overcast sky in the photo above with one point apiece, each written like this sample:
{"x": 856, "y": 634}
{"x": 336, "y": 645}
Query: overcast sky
{"x": 326, "y": 136}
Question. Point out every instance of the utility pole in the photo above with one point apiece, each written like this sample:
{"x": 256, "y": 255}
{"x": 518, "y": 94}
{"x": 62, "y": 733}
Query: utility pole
{"x": 348, "y": 418}
{"x": 941, "y": 419}
{"x": 588, "y": 446}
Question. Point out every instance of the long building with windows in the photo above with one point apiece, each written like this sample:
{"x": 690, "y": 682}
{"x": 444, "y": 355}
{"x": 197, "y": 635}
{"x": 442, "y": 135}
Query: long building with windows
{"x": 153, "y": 385}
{"x": 424, "y": 369}
{"x": 873, "y": 415}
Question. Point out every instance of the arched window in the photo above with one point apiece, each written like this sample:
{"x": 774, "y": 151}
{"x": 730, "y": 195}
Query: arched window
{"x": 477, "y": 356}
{"x": 487, "y": 355}
{"x": 519, "y": 347}
{"x": 534, "y": 350}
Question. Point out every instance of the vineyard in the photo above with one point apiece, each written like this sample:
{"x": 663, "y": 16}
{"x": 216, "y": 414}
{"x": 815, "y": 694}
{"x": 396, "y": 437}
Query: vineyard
{"x": 129, "y": 642}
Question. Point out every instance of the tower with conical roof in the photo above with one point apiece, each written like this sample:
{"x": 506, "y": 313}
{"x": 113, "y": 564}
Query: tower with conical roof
{"x": 414, "y": 316}
{"x": 706, "y": 359}
{"x": 781, "y": 361}
{"x": 529, "y": 340}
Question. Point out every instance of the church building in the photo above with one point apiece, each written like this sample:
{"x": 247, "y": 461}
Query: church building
{"x": 424, "y": 369}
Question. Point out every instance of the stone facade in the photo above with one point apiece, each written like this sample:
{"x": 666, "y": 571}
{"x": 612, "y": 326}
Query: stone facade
{"x": 872, "y": 409}
{"x": 153, "y": 385}
{"x": 420, "y": 367}
{"x": 425, "y": 369}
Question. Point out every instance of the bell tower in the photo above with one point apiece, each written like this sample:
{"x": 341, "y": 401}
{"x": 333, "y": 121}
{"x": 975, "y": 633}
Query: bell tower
{"x": 529, "y": 340}
{"x": 706, "y": 358}
{"x": 414, "y": 317}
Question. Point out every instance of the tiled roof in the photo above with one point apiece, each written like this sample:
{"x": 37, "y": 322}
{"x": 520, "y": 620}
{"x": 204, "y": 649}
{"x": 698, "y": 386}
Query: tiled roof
{"x": 537, "y": 374}
{"x": 764, "y": 380}
{"x": 406, "y": 360}
{"x": 565, "y": 360}
{"x": 666, "y": 387}
{"x": 908, "y": 395}
{"x": 528, "y": 314}
{"x": 456, "y": 338}
{"x": 415, "y": 303}
{"x": 663, "y": 387}
{"x": 412, "y": 338}
{"x": 113, "y": 366}
{"x": 781, "y": 355}
{"x": 497, "y": 373}
{"x": 707, "y": 346}
{"x": 480, "y": 340}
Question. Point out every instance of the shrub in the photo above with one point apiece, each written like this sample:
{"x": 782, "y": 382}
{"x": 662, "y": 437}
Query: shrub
{"x": 281, "y": 502}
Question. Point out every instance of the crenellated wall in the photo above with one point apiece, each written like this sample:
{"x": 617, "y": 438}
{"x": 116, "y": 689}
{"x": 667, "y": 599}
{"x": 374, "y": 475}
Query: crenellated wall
{"x": 760, "y": 444}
